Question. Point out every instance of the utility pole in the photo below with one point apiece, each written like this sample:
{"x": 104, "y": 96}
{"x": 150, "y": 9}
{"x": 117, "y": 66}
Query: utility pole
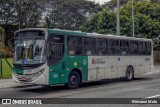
{"x": 133, "y": 17}
{"x": 118, "y": 18}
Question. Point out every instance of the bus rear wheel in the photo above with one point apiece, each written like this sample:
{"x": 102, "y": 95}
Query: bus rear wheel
{"x": 129, "y": 74}
{"x": 73, "y": 80}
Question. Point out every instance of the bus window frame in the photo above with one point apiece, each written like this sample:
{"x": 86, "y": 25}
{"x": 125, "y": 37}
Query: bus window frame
{"x": 128, "y": 42}
{"x": 142, "y": 48}
{"x": 107, "y": 46}
{"x": 131, "y": 54}
{"x": 51, "y": 42}
{"x": 148, "y": 42}
{"x": 67, "y": 43}
{"x": 118, "y": 48}
{"x": 89, "y": 46}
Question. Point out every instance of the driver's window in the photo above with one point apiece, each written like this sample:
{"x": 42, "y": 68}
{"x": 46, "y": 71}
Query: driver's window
{"x": 55, "y": 48}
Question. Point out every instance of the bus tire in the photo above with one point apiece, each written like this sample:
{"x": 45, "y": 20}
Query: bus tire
{"x": 73, "y": 80}
{"x": 129, "y": 74}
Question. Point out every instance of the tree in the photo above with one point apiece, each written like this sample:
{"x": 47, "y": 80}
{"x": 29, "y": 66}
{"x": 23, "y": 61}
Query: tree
{"x": 103, "y": 22}
{"x": 113, "y": 4}
{"x": 3, "y": 49}
{"x": 7, "y": 12}
{"x": 29, "y": 13}
{"x": 147, "y": 20}
{"x": 1, "y": 33}
{"x": 69, "y": 14}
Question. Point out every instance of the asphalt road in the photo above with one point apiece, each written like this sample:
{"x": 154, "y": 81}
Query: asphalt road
{"x": 146, "y": 86}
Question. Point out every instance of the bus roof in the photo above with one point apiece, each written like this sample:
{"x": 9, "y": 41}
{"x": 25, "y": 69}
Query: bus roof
{"x": 31, "y": 29}
{"x": 117, "y": 37}
{"x": 68, "y": 32}
{"x": 88, "y": 34}
{"x": 56, "y": 31}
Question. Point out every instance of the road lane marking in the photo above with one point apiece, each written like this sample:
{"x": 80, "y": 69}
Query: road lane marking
{"x": 154, "y": 96}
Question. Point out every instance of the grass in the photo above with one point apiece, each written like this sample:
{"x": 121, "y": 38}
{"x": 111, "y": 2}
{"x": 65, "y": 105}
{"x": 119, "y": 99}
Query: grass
{"x": 6, "y": 70}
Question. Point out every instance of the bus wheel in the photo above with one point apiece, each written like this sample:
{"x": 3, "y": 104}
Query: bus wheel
{"x": 73, "y": 80}
{"x": 129, "y": 74}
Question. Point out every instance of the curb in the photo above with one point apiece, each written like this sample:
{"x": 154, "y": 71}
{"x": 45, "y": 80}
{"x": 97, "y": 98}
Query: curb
{"x": 8, "y": 83}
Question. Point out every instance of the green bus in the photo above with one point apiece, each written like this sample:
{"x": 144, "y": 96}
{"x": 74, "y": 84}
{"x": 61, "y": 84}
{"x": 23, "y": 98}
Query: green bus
{"x": 53, "y": 56}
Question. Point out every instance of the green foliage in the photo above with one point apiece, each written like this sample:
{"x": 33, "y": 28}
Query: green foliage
{"x": 69, "y": 14}
{"x": 62, "y": 14}
{"x": 113, "y": 4}
{"x": 7, "y": 11}
{"x": 103, "y": 22}
{"x": 28, "y": 12}
{"x": 6, "y": 70}
{"x": 3, "y": 48}
{"x": 1, "y": 34}
{"x": 147, "y": 20}
{"x": 156, "y": 42}
{"x": 1, "y": 30}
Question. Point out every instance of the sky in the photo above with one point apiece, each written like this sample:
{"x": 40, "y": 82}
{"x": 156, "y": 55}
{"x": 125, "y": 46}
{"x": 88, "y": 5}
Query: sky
{"x": 101, "y": 1}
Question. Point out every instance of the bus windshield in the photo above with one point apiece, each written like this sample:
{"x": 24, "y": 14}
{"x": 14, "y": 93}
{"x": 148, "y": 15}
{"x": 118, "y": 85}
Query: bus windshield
{"x": 29, "y": 51}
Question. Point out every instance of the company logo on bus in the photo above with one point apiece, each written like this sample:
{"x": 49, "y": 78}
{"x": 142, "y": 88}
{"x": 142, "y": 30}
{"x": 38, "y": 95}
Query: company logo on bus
{"x": 98, "y": 61}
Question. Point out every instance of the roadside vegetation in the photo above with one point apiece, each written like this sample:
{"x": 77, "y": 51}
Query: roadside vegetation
{"x": 6, "y": 70}
{"x": 83, "y": 15}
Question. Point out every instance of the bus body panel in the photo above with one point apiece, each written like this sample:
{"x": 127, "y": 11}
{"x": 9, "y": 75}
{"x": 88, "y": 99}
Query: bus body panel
{"x": 79, "y": 63}
{"x": 113, "y": 65}
{"x": 148, "y": 66}
{"x": 140, "y": 64}
{"x": 59, "y": 73}
{"x": 22, "y": 75}
{"x": 92, "y": 75}
{"x": 91, "y": 67}
{"x": 101, "y": 63}
{"x": 123, "y": 63}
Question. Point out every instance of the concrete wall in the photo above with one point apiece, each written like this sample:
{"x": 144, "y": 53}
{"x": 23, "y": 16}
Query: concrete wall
{"x": 156, "y": 56}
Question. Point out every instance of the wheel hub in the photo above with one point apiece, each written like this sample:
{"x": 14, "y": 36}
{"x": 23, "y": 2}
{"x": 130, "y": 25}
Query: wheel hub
{"x": 129, "y": 74}
{"x": 73, "y": 80}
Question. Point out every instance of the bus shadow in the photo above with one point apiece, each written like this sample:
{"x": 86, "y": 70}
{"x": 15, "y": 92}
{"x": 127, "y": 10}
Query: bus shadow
{"x": 24, "y": 86}
{"x": 94, "y": 84}
{"x": 112, "y": 82}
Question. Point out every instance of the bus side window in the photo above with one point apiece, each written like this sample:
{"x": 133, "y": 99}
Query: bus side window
{"x": 102, "y": 46}
{"x": 113, "y": 47}
{"x": 89, "y": 47}
{"x": 56, "y": 50}
{"x": 78, "y": 46}
{"x": 71, "y": 43}
{"x": 142, "y": 48}
{"x": 149, "y": 49}
{"x": 124, "y": 47}
{"x": 133, "y": 47}
{"x": 74, "y": 45}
